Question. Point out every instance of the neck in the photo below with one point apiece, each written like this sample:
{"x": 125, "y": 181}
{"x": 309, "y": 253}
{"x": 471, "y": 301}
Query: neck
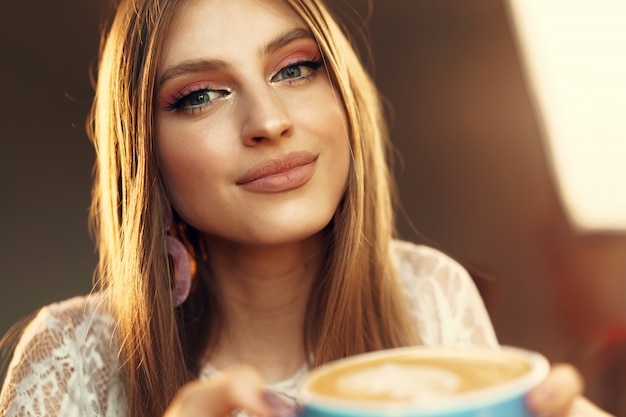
{"x": 265, "y": 292}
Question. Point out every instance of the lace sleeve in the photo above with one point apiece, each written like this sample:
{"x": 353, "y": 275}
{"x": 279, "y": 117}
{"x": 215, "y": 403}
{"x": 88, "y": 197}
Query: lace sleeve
{"x": 58, "y": 368}
{"x": 444, "y": 302}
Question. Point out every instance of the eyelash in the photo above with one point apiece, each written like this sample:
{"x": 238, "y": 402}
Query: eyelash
{"x": 181, "y": 103}
{"x": 312, "y": 65}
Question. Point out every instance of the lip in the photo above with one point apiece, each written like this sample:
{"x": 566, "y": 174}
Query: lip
{"x": 281, "y": 174}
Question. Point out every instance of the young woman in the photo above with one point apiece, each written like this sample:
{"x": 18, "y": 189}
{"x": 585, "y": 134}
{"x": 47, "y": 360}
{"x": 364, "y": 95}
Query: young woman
{"x": 243, "y": 210}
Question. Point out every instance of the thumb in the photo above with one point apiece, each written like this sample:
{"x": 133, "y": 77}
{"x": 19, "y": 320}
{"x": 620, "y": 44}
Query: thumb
{"x": 238, "y": 388}
{"x": 556, "y": 394}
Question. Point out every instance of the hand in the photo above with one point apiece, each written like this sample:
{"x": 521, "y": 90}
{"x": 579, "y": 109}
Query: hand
{"x": 240, "y": 388}
{"x": 559, "y": 395}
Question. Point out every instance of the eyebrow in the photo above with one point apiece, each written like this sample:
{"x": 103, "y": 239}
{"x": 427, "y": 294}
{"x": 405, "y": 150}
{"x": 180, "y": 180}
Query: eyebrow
{"x": 286, "y": 38}
{"x": 191, "y": 66}
{"x": 199, "y": 65}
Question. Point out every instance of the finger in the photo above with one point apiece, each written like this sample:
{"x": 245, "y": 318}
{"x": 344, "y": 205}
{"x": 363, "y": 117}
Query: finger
{"x": 280, "y": 405}
{"x": 240, "y": 388}
{"x": 555, "y": 395}
{"x": 583, "y": 407}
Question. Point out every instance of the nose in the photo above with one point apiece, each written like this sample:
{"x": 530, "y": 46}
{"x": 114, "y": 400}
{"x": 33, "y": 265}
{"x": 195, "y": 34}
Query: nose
{"x": 266, "y": 116}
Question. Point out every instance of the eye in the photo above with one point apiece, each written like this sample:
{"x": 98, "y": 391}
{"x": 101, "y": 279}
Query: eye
{"x": 297, "y": 71}
{"x": 200, "y": 98}
{"x": 197, "y": 100}
{"x": 290, "y": 72}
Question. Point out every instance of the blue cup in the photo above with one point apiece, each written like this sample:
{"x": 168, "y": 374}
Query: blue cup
{"x": 425, "y": 382}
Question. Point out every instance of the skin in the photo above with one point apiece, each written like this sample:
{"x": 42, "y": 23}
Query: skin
{"x": 258, "y": 114}
{"x": 264, "y": 246}
{"x": 228, "y": 99}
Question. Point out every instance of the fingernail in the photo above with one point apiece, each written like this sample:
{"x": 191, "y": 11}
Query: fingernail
{"x": 279, "y": 404}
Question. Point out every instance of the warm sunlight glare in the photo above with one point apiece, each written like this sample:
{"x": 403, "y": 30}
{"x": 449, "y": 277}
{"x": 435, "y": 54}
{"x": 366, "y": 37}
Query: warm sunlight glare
{"x": 574, "y": 53}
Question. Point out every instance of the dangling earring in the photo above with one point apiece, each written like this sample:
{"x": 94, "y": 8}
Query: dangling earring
{"x": 180, "y": 257}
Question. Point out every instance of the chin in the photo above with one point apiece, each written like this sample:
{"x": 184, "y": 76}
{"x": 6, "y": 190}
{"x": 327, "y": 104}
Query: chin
{"x": 287, "y": 232}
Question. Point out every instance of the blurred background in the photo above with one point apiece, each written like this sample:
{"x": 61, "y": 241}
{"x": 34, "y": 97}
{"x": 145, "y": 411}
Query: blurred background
{"x": 472, "y": 169}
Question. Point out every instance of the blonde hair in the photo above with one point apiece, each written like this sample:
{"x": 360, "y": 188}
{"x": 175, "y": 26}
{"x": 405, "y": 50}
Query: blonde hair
{"x": 356, "y": 305}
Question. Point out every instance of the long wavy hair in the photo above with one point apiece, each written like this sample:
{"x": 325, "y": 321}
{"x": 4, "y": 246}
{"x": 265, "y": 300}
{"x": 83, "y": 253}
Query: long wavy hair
{"x": 355, "y": 306}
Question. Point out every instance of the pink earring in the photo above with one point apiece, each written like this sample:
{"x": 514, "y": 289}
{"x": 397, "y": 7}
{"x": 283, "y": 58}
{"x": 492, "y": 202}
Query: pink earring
{"x": 178, "y": 252}
{"x": 180, "y": 257}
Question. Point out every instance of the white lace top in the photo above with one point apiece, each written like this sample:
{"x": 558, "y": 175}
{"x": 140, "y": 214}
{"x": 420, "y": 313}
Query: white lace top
{"x": 65, "y": 363}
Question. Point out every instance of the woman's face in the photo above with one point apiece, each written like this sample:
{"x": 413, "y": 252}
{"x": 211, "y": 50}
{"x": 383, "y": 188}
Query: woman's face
{"x": 251, "y": 135}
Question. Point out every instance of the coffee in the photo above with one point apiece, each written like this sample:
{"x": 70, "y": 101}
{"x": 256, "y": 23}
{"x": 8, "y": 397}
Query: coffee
{"x": 407, "y": 376}
{"x": 419, "y": 382}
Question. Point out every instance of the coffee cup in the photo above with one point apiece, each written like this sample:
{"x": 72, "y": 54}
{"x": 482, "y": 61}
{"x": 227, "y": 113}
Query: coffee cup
{"x": 423, "y": 381}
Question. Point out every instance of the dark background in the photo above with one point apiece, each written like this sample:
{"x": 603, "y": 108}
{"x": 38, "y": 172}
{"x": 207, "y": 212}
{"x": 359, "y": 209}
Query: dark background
{"x": 46, "y": 50}
{"x": 472, "y": 171}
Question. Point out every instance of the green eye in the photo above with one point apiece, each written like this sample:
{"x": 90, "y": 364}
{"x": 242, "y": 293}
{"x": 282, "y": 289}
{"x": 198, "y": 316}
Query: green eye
{"x": 200, "y": 98}
{"x": 297, "y": 71}
{"x": 290, "y": 72}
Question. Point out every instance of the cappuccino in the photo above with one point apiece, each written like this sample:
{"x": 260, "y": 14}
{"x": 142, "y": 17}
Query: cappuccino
{"x": 422, "y": 381}
{"x": 407, "y": 376}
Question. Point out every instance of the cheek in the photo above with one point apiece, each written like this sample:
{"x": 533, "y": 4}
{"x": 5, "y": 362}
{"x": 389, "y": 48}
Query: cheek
{"x": 324, "y": 114}
{"x": 331, "y": 128}
{"x": 176, "y": 155}
{"x": 333, "y": 125}
{"x": 184, "y": 152}
{"x": 342, "y": 158}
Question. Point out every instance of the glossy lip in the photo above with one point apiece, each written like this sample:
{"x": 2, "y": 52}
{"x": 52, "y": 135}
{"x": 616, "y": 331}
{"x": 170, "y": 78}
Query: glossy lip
{"x": 276, "y": 175}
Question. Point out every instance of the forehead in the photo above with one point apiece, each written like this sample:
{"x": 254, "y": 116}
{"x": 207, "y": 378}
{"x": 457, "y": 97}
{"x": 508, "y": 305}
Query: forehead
{"x": 223, "y": 28}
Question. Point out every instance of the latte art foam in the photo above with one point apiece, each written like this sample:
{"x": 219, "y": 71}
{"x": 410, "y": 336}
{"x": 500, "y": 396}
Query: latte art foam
{"x": 415, "y": 378}
{"x": 408, "y": 382}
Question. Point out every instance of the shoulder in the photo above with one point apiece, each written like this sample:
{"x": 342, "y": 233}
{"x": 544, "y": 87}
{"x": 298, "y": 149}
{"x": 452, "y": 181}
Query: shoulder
{"x": 426, "y": 272}
{"x": 65, "y": 359}
{"x": 443, "y": 300}
{"x": 72, "y": 321}
{"x": 423, "y": 261}
{"x": 75, "y": 311}
{"x": 74, "y": 331}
